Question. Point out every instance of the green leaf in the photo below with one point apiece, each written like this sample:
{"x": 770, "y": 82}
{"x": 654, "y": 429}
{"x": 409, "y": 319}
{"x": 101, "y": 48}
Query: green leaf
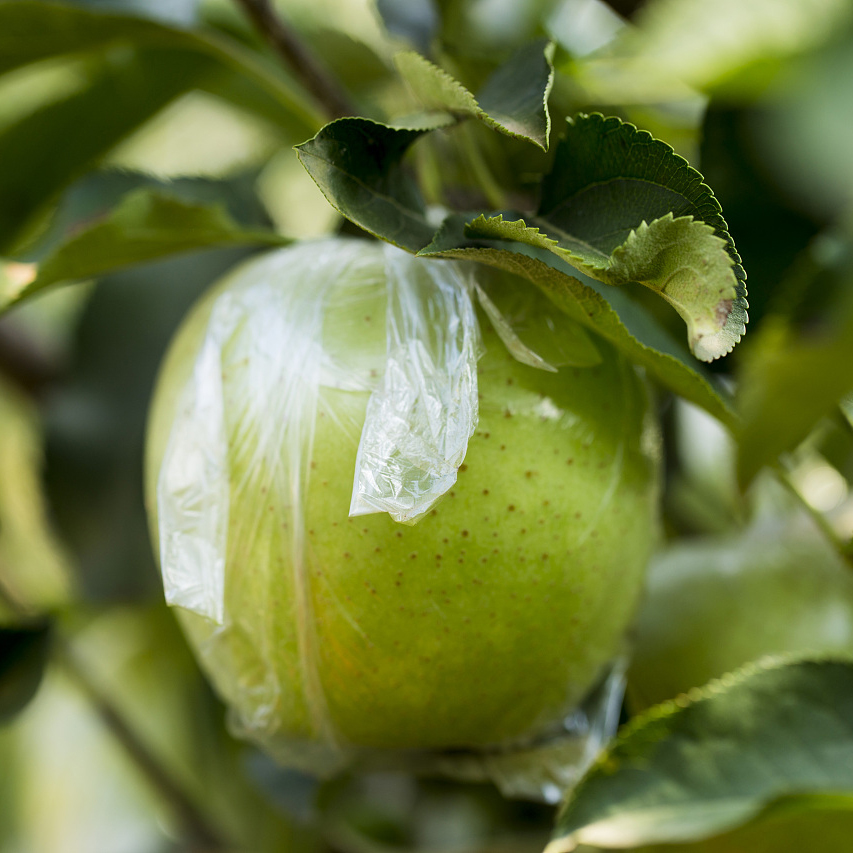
{"x": 788, "y": 384}
{"x": 357, "y": 164}
{"x": 33, "y": 563}
{"x": 514, "y": 100}
{"x": 120, "y": 96}
{"x": 707, "y": 45}
{"x": 31, "y": 30}
{"x": 799, "y": 367}
{"x": 621, "y": 206}
{"x": 606, "y": 311}
{"x": 135, "y": 67}
{"x": 608, "y": 176}
{"x": 686, "y": 263}
{"x": 23, "y": 655}
{"x": 681, "y": 259}
{"x": 816, "y": 824}
{"x": 712, "y": 761}
{"x": 847, "y": 408}
{"x": 148, "y": 225}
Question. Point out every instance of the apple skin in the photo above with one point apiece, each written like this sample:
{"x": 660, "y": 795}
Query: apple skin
{"x": 479, "y": 625}
{"x": 714, "y": 604}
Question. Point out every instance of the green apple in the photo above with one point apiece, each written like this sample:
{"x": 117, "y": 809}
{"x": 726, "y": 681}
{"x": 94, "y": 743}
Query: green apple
{"x": 716, "y": 603}
{"x": 482, "y": 623}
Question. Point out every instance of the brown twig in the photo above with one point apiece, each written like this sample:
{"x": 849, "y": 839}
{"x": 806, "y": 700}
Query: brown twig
{"x": 197, "y": 833}
{"x": 24, "y": 362}
{"x": 322, "y": 85}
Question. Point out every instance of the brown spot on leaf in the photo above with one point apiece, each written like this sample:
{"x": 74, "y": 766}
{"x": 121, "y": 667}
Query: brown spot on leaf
{"x": 724, "y": 308}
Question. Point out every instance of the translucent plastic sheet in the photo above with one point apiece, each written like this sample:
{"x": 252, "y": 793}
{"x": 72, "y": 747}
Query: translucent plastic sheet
{"x": 554, "y": 761}
{"x": 271, "y": 335}
{"x": 417, "y": 425}
{"x": 326, "y": 391}
{"x": 424, "y": 411}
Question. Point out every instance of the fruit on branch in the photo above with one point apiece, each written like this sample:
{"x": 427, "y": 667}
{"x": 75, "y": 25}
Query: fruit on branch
{"x": 713, "y": 605}
{"x": 480, "y": 624}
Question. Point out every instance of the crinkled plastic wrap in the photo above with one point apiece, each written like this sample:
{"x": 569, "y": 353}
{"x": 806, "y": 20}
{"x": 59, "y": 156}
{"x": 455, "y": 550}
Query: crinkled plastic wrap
{"x": 386, "y": 528}
{"x": 421, "y": 412}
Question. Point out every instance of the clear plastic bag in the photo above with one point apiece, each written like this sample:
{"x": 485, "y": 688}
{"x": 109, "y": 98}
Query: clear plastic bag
{"x": 321, "y": 395}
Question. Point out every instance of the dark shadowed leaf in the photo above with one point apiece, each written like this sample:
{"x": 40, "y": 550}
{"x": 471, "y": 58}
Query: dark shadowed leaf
{"x": 357, "y": 163}
{"x": 23, "y": 654}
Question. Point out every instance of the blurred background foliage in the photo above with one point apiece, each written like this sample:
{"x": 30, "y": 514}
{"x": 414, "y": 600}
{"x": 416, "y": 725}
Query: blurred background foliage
{"x": 110, "y": 739}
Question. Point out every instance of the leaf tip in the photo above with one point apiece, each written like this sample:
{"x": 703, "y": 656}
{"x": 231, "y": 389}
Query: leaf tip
{"x": 733, "y": 317}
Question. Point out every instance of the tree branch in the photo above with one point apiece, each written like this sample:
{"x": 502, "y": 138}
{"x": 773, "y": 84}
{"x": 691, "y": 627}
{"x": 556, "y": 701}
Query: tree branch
{"x": 299, "y": 58}
{"x": 198, "y": 834}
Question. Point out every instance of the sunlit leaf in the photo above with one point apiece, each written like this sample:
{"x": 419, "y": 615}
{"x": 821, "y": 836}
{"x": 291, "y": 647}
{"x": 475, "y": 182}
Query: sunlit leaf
{"x": 33, "y": 566}
{"x": 819, "y": 824}
{"x": 706, "y": 45}
{"x": 688, "y": 770}
{"x": 514, "y": 100}
{"x": 135, "y": 67}
{"x": 32, "y": 30}
{"x": 148, "y": 225}
{"x": 90, "y": 122}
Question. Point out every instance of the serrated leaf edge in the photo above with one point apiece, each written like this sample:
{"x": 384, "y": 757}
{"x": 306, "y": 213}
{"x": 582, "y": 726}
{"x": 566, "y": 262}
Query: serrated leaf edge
{"x": 474, "y": 110}
{"x": 706, "y": 347}
{"x": 723, "y": 411}
{"x": 697, "y": 179}
{"x": 671, "y": 707}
